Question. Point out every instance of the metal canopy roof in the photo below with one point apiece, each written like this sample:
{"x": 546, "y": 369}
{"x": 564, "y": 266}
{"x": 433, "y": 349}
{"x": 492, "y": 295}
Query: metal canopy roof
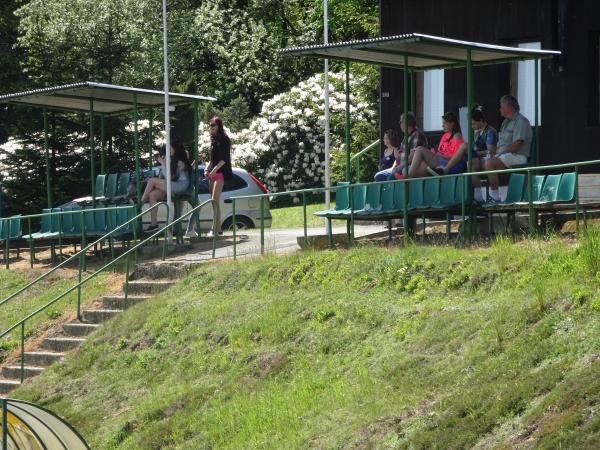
{"x": 107, "y": 98}
{"x": 31, "y": 427}
{"x": 424, "y": 52}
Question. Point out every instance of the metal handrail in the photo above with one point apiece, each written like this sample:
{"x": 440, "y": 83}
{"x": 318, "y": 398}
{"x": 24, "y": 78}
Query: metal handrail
{"x": 127, "y": 254}
{"x": 83, "y": 250}
{"x": 362, "y": 152}
{"x": 463, "y": 176}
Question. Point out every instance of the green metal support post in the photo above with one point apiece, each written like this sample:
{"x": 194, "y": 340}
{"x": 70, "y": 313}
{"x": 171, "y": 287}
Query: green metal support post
{"x": 138, "y": 178}
{"x": 347, "y": 129}
{"x": 234, "y": 228}
{"x": 413, "y": 92}
{"x": 304, "y": 218}
{"x": 92, "y": 155}
{"x": 151, "y": 125}
{"x": 577, "y": 199}
{"x": 406, "y": 150}
{"x": 102, "y": 146}
{"x": 47, "y": 153}
{"x": 136, "y": 145}
{"x": 536, "y": 156}
{"x": 4, "y": 425}
{"x": 530, "y": 202}
{"x": 471, "y": 136}
{"x": 195, "y": 152}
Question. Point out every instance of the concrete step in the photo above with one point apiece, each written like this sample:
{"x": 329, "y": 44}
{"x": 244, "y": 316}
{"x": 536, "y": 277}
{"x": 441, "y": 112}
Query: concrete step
{"x": 8, "y": 385}
{"x": 42, "y": 359}
{"x": 115, "y": 302}
{"x": 14, "y": 372}
{"x": 160, "y": 270}
{"x": 79, "y": 329}
{"x": 148, "y": 286}
{"x": 99, "y": 315}
{"x": 61, "y": 344}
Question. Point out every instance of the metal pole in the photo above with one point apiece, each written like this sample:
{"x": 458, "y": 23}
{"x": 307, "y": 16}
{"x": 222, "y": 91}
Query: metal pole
{"x": 102, "y": 146}
{"x": 577, "y": 199}
{"x": 136, "y": 146}
{"x": 327, "y": 143}
{"x": 92, "y": 156}
{"x": 167, "y": 122}
{"x": 469, "y": 108}
{"x": 304, "y": 218}
{"x": 413, "y": 92}
{"x": 195, "y": 152}
{"x": 406, "y": 150}
{"x": 22, "y": 351}
{"x": 234, "y": 228}
{"x": 347, "y": 128}
{"x": 151, "y": 125}
{"x": 537, "y": 120}
{"x": 4, "y": 424}
{"x": 530, "y": 201}
{"x": 47, "y": 150}
{"x": 262, "y": 225}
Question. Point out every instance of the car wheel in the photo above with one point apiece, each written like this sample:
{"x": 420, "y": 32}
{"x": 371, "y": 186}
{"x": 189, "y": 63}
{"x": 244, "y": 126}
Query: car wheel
{"x": 242, "y": 223}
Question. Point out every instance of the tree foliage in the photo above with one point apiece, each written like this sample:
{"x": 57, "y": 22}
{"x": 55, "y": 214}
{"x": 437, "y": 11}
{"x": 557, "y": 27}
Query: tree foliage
{"x": 225, "y": 48}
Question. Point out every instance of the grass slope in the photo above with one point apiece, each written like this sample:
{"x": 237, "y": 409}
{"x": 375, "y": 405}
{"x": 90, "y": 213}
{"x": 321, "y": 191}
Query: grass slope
{"x": 421, "y": 348}
{"x": 38, "y": 295}
{"x": 293, "y": 216}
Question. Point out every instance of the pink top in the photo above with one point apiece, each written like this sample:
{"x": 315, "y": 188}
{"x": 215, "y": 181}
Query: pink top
{"x": 449, "y": 145}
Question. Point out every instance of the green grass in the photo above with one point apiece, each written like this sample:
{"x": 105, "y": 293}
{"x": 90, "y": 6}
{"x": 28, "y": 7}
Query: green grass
{"x": 37, "y": 296}
{"x": 293, "y": 216}
{"x": 413, "y": 348}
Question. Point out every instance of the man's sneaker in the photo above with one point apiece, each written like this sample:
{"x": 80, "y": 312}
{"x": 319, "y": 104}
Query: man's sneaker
{"x": 191, "y": 234}
{"x": 211, "y": 233}
{"x": 438, "y": 171}
{"x": 492, "y": 202}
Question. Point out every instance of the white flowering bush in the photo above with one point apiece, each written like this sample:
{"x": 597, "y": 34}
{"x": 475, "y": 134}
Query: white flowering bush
{"x": 284, "y": 146}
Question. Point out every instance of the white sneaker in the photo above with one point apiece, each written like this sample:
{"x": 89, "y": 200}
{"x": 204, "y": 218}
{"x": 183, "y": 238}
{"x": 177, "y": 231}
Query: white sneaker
{"x": 210, "y": 234}
{"x": 191, "y": 234}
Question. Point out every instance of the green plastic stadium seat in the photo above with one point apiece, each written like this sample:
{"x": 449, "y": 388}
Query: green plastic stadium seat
{"x": 372, "y": 200}
{"x": 111, "y": 185}
{"x": 447, "y": 197}
{"x": 514, "y": 194}
{"x": 100, "y": 186}
{"x": 124, "y": 179}
{"x": 566, "y": 188}
{"x": 342, "y": 201}
{"x": 431, "y": 193}
{"x": 549, "y": 191}
{"x": 415, "y": 194}
{"x": 537, "y": 183}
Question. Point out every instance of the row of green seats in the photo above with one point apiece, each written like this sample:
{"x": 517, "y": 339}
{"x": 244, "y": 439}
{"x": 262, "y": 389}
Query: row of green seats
{"x": 546, "y": 190}
{"x": 97, "y": 222}
{"x": 388, "y": 198}
{"x": 112, "y": 185}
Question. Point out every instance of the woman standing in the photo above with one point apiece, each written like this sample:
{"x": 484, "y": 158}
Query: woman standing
{"x": 156, "y": 189}
{"x": 219, "y": 168}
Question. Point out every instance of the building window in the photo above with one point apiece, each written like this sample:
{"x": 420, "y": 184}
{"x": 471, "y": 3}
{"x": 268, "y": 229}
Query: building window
{"x": 526, "y": 85}
{"x": 433, "y": 100}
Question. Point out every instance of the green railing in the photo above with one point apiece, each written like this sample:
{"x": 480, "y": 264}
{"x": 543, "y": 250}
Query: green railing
{"x": 126, "y": 255}
{"x": 464, "y": 177}
{"x": 356, "y": 158}
{"x": 82, "y": 254}
{"x": 60, "y": 235}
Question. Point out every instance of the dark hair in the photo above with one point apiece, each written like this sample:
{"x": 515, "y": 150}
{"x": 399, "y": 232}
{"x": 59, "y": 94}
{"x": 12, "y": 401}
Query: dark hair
{"x": 477, "y": 113}
{"x": 410, "y": 121}
{"x": 179, "y": 155}
{"x": 393, "y": 136}
{"x": 219, "y": 139}
{"x": 451, "y": 117}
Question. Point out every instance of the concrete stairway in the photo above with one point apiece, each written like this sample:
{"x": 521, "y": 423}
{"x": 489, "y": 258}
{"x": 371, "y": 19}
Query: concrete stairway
{"x": 146, "y": 281}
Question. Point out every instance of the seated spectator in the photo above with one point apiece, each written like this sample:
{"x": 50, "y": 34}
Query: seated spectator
{"x": 514, "y": 142}
{"x": 449, "y": 156}
{"x": 416, "y": 139}
{"x": 156, "y": 189}
{"x": 391, "y": 141}
{"x": 484, "y": 148}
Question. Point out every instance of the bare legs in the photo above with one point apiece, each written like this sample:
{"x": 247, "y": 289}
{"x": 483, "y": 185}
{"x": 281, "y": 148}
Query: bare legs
{"x": 215, "y": 187}
{"x": 494, "y": 164}
{"x": 156, "y": 191}
{"x": 422, "y": 158}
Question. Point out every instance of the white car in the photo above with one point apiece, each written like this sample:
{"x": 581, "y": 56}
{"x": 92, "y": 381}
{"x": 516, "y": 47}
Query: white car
{"x": 247, "y": 211}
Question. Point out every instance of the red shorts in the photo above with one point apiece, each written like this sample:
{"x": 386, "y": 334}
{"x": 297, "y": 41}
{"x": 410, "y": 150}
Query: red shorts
{"x": 216, "y": 176}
